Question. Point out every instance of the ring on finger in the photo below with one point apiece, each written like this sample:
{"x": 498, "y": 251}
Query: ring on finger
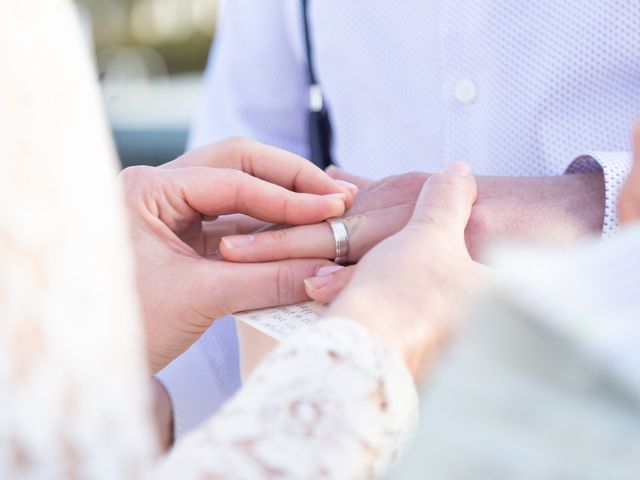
{"x": 341, "y": 238}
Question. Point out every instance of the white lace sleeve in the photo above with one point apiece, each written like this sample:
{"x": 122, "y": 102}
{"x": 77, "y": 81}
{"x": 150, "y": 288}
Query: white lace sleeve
{"x": 330, "y": 402}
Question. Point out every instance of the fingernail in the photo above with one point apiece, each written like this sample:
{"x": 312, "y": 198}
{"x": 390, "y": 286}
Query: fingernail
{"x": 237, "y": 241}
{"x": 315, "y": 283}
{"x": 349, "y": 185}
{"x": 322, "y": 277}
{"x": 338, "y": 196}
{"x": 327, "y": 270}
{"x": 459, "y": 168}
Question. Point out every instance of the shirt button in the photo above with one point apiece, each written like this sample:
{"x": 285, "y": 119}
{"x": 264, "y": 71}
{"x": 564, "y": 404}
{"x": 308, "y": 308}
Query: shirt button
{"x": 466, "y": 91}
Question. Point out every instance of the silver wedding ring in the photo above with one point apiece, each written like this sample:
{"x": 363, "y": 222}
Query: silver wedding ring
{"x": 341, "y": 238}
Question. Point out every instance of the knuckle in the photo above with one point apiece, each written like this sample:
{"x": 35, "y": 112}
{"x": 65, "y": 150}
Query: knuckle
{"x": 355, "y": 223}
{"x": 479, "y": 225}
{"x": 289, "y": 213}
{"x": 446, "y": 178}
{"x": 133, "y": 178}
{"x": 414, "y": 177}
{"x": 234, "y": 176}
{"x": 239, "y": 142}
{"x": 278, "y": 237}
{"x": 451, "y": 183}
{"x": 398, "y": 187}
{"x": 433, "y": 220}
{"x": 285, "y": 284}
{"x": 244, "y": 150}
{"x": 131, "y": 175}
{"x": 405, "y": 179}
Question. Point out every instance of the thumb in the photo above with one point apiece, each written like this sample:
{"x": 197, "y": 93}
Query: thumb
{"x": 445, "y": 200}
{"x": 328, "y": 282}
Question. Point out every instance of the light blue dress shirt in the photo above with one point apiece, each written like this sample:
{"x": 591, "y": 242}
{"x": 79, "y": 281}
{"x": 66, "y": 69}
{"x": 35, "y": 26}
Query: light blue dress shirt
{"x": 511, "y": 87}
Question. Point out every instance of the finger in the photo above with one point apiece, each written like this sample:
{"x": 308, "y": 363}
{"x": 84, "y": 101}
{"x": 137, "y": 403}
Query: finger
{"x": 629, "y": 203}
{"x": 339, "y": 174}
{"x": 204, "y": 236}
{"x": 240, "y": 287}
{"x": 307, "y": 241}
{"x": 237, "y": 224}
{"x": 266, "y": 162}
{"x": 446, "y": 200}
{"x": 317, "y": 240}
{"x": 214, "y": 191}
{"x": 328, "y": 282}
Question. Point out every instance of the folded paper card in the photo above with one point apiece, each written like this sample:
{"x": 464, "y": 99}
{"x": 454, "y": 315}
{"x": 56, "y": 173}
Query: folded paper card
{"x": 280, "y": 322}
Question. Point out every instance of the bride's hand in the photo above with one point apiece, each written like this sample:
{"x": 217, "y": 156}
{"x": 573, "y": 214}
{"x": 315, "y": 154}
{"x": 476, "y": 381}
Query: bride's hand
{"x": 407, "y": 290}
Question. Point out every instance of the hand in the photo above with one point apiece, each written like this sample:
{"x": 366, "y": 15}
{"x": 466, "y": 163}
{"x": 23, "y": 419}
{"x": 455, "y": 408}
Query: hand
{"x": 407, "y": 289}
{"x": 182, "y": 284}
{"x": 339, "y": 174}
{"x": 629, "y": 206}
{"x": 536, "y": 210}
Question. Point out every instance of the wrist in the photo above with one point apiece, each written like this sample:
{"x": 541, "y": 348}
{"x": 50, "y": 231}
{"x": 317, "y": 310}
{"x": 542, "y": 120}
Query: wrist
{"x": 163, "y": 414}
{"x": 539, "y": 210}
{"x": 379, "y": 318}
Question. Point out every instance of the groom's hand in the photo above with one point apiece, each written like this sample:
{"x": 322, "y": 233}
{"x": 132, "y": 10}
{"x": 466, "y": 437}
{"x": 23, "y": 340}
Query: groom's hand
{"x": 527, "y": 209}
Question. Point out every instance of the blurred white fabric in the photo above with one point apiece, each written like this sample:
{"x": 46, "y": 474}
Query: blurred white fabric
{"x": 590, "y": 295}
{"x": 516, "y": 399}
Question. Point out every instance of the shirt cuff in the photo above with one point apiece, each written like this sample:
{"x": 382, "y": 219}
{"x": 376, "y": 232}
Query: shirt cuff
{"x": 200, "y": 380}
{"x": 615, "y": 167}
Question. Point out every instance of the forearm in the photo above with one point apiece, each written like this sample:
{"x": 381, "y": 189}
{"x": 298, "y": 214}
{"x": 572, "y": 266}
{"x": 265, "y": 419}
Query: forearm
{"x": 541, "y": 210}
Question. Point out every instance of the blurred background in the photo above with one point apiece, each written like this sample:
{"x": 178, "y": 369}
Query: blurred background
{"x": 150, "y": 55}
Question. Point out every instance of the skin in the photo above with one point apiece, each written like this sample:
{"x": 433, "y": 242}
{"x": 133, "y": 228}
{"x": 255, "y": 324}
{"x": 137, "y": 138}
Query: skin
{"x": 391, "y": 270}
{"x": 386, "y": 290}
{"x": 433, "y": 258}
{"x": 408, "y": 290}
{"x": 179, "y": 212}
{"x": 428, "y": 255}
{"x": 183, "y": 286}
{"x": 540, "y": 210}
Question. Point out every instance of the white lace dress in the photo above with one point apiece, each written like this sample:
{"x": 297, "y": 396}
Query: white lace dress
{"x": 75, "y": 402}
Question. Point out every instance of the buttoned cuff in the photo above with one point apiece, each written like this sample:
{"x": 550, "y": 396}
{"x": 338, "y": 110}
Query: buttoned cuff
{"x": 615, "y": 167}
{"x": 200, "y": 380}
